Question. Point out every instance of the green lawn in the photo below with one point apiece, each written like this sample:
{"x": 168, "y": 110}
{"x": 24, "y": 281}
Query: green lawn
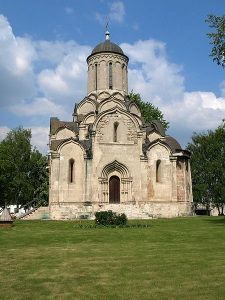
{"x": 181, "y": 258}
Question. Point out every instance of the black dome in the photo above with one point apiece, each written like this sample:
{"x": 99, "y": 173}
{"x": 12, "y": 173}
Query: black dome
{"x": 107, "y": 46}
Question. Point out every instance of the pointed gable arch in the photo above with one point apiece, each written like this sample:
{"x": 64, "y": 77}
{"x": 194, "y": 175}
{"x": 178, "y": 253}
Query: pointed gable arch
{"x": 159, "y": 143}
{"x": 115, "y": 166}
{"x": 110, "y": 103}
{"x": 127, "y": 127}
{"x": 87, "y": 105}
{"x": 64, "y": 133}
{"x": 134, "y": 109}
{"x": 89, "y": 118}
{"x": 71, "y": 141}
{"x": 112, "y": 111}
{"x": 103, "y": 95}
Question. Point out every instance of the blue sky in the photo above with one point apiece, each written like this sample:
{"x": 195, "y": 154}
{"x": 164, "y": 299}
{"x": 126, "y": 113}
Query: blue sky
{"x": 44, "y": 45}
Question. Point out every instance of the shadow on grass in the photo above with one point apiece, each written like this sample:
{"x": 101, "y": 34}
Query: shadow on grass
{"x": 215, "y": 220}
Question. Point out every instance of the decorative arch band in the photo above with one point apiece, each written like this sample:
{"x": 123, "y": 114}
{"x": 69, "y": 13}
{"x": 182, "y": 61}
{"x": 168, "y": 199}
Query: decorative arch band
{"x": 115, "y": 166}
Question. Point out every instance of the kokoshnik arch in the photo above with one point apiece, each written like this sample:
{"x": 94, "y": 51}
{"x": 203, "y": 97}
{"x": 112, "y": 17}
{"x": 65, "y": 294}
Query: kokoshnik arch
{"x": 107, "y": 157}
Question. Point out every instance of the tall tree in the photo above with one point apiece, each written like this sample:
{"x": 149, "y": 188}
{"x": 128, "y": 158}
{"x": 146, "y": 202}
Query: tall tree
{"x": 148, "y": 110}
{"x": 217, "y": 38}
{"x": 22, "y": 169}
{"x": 208, "y": 168}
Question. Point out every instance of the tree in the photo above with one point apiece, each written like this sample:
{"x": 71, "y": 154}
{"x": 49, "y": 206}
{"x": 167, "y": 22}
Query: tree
{"x": 208, "y": 168}
{"x": 148, "y": 111}
{"x": 23, "y": 174}
{"x": 217, "y": 38}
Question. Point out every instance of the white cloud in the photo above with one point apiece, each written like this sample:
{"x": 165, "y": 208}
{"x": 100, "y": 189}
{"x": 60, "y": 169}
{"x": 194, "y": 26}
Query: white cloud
{"x": 69, "y": 10}
{"x": 39, "y": 79}
{"x": 115, "y": 14}
{"x": 68, "y": 78}
{"x": 16, "y": 68}
{"x": 3, "y": 132}
{"x": 38, "y": 107}
{"x": 161, "y": 82}
{"x": 151, "y": 74}
{"x": 53, "y": 70}
{"x": 40, "y": 138}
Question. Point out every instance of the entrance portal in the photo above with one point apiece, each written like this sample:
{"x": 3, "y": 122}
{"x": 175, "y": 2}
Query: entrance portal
{"x": 114, "y": 189}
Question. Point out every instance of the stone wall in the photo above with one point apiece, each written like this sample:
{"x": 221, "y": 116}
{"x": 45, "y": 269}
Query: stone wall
{"x": 98, "y": 69}
{"x": 150, "y": 210}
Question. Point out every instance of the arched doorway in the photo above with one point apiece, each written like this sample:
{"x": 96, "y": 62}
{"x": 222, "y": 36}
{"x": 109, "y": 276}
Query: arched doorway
{"x": 114, "y": 189}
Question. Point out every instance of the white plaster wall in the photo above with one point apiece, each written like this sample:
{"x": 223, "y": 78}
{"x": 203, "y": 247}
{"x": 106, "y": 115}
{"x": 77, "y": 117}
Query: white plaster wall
{"x": 67, "y": 191}
{"x": 159, "y": 191}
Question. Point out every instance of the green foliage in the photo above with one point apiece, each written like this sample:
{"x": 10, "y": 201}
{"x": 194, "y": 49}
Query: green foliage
{"x": 148, "y": 111}
{"x": 108, "y": 218}
{"x": 23, "y": 173}
{"x": 217, "y": 38}
{"x": 208, "y": 168}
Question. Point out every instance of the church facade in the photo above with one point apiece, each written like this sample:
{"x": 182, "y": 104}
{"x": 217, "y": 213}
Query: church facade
{"x": 107, "y": 157}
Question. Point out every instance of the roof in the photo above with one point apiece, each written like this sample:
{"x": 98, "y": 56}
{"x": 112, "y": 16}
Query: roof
{"x": 108, "y": 47}
{"x": 167, "y": 140}
{"x": 156, "y": 125}
{"x": 55, "y": 124}
{"x": 5, "y": 216}
{"x": 172, "y": 143}
{"x": 86, "y": 144}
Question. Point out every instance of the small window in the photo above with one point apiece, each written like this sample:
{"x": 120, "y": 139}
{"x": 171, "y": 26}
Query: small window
{"x": 115, "y": 131}
{"x": 187, "y": 165}
{"x": 71, "y": 170}
{"x": 96, "y": 76}
{"x": 123, "y": 83}
{"x": 158, "y": 171}
{"x": 110, "y": 76}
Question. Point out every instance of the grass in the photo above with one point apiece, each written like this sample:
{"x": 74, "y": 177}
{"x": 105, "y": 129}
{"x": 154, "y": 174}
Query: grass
{"x": 181, "y": 258}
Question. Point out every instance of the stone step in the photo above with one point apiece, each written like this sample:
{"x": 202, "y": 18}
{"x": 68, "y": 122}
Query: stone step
{"x": 40, "y": 213}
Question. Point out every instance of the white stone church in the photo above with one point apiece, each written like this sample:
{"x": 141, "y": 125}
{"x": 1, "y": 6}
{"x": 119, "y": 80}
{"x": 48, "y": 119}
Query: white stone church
{"x": 107, "y": 157}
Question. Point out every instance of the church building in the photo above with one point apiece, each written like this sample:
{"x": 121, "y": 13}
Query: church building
{"x": 108, "y": 158}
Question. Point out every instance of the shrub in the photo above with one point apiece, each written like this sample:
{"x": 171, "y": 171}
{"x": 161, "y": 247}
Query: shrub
{"x": 109, "y": 217}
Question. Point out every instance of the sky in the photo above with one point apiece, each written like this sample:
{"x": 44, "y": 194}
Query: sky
{"x": 44, "y": 45}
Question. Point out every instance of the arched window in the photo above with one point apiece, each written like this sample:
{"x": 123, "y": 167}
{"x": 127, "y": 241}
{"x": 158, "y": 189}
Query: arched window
{"x": 96, "y": 76}
{"x": 71, "y": 170}
{"x": 123, "y": 76}
{"x": 110, "y": 76}
{"x": 158, "y": 171}
{"x": 115, "y": 127}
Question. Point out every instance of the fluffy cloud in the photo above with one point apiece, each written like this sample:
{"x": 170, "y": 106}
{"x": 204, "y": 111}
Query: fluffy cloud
{"x": 40, "y": 79}
{"x": 40, "y": 138}
{"x": 38, "y": 107}
{"x": 151, "y": 73}
{"x": 16, "y": 56}
{"x": 69, "y": 10}
{"x": 68, "y": 78}
{"x": 116, "y": 13}
{"x": 161, "y": 82}
{"x": 3, "y": 132}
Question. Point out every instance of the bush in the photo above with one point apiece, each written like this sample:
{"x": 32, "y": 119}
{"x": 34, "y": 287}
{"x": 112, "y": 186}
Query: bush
{"x": 109, "y": 217}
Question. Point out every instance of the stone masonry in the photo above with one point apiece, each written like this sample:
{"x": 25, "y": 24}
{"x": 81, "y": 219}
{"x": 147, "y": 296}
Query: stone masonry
{"x": 107, "y": 157}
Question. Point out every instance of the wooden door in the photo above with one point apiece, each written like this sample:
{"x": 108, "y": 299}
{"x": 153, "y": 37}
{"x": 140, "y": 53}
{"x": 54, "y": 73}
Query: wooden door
{"x": 114, "y": 189}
